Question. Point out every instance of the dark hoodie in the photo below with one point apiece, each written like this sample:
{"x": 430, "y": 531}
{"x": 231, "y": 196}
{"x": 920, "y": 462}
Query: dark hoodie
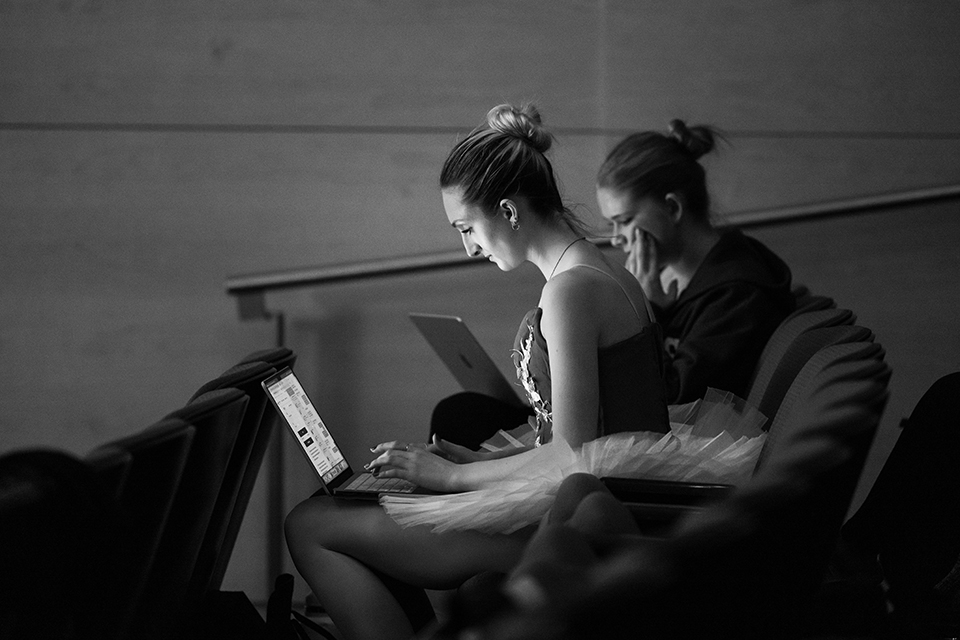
{"x": 715, "y": 331}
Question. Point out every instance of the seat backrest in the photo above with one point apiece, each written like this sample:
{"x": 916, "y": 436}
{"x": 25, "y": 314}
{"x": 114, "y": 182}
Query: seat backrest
{"x": 155, "y": 459}
{"x": 845, "y": 360}
{"x": 216, "y": 417}
{"x": 112, "y": 468}
{"x": 277, "y": 359}
{"x": 54, "y": 517}
{"x": 805, "y": 301}
{"x": 783, "y": 337}
{"x": 911, "y": 516}
{"x": 768, "y": 392}
{"x": 765, "y": 546}
{"x": 247, "y": 378}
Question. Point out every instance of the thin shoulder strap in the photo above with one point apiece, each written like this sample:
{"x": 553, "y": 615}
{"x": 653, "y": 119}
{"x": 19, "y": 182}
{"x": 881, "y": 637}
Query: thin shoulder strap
{"x": 646, "y": 303}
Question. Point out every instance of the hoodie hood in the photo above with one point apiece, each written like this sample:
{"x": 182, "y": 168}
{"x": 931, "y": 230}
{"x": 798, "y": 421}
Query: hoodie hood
{"x": 738, "y": 258}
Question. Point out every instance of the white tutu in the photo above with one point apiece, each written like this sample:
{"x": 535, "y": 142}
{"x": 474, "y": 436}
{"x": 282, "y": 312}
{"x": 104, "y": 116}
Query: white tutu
{"x": 713, "y": 440}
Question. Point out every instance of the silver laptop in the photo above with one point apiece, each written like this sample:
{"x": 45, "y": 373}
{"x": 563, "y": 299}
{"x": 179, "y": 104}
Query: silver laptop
{"x": 465, "y": 357}
{"x": 304, "y": 422}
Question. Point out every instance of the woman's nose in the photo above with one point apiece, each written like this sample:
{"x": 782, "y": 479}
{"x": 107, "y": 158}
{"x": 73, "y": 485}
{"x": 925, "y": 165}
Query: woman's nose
{"x": 471, "y": 247}
{"x": 618, "y": 239}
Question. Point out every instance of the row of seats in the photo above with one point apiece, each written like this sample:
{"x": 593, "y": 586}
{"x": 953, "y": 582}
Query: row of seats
{"x": 133, "y": 539}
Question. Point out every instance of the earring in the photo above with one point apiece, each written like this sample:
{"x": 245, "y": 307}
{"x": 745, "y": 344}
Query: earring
{"x": 515, "y": 224}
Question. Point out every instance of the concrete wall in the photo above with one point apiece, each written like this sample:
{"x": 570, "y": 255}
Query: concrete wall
{"x": 148, "y": 150}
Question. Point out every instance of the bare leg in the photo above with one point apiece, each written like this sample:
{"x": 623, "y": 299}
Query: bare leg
{"x": 334, "y": 542}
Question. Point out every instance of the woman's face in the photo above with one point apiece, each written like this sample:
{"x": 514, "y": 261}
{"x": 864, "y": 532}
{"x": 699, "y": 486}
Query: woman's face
{"x": 630, "y": 218}
{"x": 482, "y": 235}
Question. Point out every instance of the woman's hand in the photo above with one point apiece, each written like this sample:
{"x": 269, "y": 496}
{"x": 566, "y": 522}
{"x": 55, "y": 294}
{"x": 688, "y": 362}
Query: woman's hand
{"x": 415, "y": 463}
{"x": 643, "y": 264}
{"x": 455, "y": 452}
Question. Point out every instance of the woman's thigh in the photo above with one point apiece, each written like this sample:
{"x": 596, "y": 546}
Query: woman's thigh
{"x": 414, "y": 555}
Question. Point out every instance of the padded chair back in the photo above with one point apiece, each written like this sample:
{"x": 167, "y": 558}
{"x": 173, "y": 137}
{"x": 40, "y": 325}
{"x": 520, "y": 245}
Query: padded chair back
{"x": 781, "y": 339}
{"x": 747, "y": 566}
{"x": 216, "y": 416}
{"x": 844, "y": 360}
{"x": 805, "y": 301}
{"x": 769, "y": 390}
{"x": 53, "y": 519}
{"x": 277, "y": 359}
{"x": 154, "y": 461}
{"x": 911, "y": 517}
{"x": 112, "y": 467}
{"x": 229, "y": 505}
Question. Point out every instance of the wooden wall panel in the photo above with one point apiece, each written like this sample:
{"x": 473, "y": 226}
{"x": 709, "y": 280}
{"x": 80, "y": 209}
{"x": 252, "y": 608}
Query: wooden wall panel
{"x": 753, "y": 65}
{"x": 404, "y": 63}
{"x": 786, "y": 66}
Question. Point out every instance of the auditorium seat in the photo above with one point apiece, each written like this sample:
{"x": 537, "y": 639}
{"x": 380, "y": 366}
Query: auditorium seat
{"x": 769, "y": 390}
{"x": 781, "y": 339}
{"x": 904, "y": 539}
{"x": 229, "y": 503}
{"x": 153, "y": 459}
{"x": 54, "y": 519}
{"x": 216, "y": 416}
{"x": 278, "y": 358}
{"x": 805, "y": 300}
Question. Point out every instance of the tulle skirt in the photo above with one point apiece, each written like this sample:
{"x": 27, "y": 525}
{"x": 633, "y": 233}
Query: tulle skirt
{"x": 713, "y": 440}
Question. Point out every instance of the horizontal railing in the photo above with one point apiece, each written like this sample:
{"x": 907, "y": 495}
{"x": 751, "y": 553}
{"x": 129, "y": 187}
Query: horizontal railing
{"x": 250, "y": 289}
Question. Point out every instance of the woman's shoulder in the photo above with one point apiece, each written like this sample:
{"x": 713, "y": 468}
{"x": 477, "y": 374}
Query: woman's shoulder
{"x": 596, "y": 300}
{"x": 568, "y": 291}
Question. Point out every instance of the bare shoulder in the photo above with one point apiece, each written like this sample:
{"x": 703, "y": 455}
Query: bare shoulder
{"x": 570, "y": 302}
{"x": 604, "y": 300}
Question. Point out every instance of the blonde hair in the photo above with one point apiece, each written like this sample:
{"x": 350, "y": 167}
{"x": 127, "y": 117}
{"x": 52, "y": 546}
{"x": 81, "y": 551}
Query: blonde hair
{"x": 504, "y": 157}
{"x": 655, "y": 164}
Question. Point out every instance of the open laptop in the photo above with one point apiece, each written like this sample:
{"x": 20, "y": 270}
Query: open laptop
{"x": 465, "y": 357}
{"x": 301, "y": 417}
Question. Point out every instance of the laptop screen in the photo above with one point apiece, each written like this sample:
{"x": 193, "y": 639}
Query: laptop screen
{"x": 303, "y": 419}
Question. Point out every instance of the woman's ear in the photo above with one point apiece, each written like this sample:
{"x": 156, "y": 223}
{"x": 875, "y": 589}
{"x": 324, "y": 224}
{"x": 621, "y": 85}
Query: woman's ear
{"x": 674, "y": 206}
{"x": 508, "y": 209}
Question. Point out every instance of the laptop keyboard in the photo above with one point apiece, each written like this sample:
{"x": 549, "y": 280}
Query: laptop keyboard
{"x": 368, "y": 482}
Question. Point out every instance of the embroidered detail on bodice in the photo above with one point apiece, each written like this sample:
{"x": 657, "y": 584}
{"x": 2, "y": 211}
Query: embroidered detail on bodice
{"x": 542, "y": 413}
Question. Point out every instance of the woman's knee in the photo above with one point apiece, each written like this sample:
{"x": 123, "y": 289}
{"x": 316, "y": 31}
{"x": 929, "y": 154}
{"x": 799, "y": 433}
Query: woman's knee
{"x": 572, "y": 491}
{"x": 581, "y": 484}
{"x": 303, "y": 525}
{"x": 601, "y": 513}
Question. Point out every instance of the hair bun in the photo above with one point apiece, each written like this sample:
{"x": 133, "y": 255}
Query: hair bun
{"x": 697, "y": 140}
{"x": 521, "y": 122}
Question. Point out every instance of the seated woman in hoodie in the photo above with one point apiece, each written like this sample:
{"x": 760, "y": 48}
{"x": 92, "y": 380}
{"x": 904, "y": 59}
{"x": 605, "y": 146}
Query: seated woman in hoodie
{"x": 717, "y": 294}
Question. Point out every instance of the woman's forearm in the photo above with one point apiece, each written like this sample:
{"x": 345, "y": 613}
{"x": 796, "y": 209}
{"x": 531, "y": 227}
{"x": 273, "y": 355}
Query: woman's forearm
{"x": 474, "y": 475}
